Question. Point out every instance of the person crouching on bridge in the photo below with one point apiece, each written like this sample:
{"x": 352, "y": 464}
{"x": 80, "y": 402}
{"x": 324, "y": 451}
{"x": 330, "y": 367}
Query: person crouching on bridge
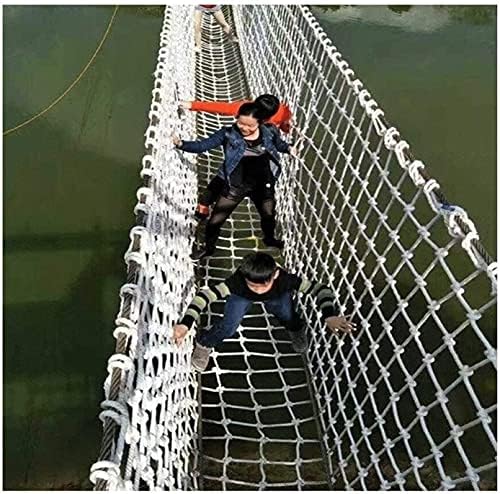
{"x": 272, "y": 112}
{"x": 258, "y": 279}
{"x": 251, "y": 167}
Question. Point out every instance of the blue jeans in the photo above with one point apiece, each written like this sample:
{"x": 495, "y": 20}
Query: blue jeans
{"x": 234, "y": 310}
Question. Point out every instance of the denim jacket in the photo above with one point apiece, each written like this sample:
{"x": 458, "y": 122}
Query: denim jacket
{"x": 234, "y": 148}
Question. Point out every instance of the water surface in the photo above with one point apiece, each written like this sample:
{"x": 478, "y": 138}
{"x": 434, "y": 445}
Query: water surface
{"x": 433, "y": 71}
{"x": 69, "y": 190}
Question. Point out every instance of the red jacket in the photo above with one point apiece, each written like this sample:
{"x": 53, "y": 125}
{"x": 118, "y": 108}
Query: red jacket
{"x": 281, "y": 118}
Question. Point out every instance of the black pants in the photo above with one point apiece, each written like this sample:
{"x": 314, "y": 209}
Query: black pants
{"x": 213, "y": 191}
{"x": 262, "y": 195}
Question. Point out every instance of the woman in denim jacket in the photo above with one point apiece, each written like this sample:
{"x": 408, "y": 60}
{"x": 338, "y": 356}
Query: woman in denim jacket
{"x": 250, "y": 168}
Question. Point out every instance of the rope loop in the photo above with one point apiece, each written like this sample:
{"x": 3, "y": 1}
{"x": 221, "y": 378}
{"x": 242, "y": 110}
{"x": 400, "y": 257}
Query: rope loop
{"x": 455, "y": 216}
{"x": 120, "y": 361}
{"x": 363, "y": 97}
{"x": 429, "y": 188}
{"x": 492, "y": 272}
{"x": 414, "y": 171}
{"x": 470, "y": 249}
{"x": 115, "y": 411}
{"x": 337, "y": 57}
{"x": 380, "y": 126}
{"x": 357, "y": 86}
{"x": 399, "y": 150}
{"x": 107, "y": 471}
{"x": 370, "y": 107}
{"x": 391, "y": 138}
{"x": 127, "y": 332}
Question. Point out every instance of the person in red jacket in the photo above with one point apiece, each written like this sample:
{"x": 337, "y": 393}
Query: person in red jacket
{"x": 216, "y": 11}
{"x": 272, "y": 113}
{"x": 281, "y": 116}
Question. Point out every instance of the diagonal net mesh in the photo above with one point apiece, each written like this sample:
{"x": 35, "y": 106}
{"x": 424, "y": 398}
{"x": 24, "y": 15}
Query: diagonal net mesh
{"x": 409, "y": 402}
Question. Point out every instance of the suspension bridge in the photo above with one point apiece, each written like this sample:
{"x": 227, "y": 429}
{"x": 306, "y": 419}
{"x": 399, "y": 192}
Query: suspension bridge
{"x": 406, "y": 402}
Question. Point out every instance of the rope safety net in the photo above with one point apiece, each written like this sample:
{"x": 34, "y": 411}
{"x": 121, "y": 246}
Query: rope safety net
{"x": 409, "y": 401}
{"x": 150, "y": 408}
{"x": 258, "y": 428}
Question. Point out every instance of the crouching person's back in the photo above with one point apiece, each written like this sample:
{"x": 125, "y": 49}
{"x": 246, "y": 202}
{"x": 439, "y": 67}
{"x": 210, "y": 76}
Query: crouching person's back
{"x": 258, "y": 279}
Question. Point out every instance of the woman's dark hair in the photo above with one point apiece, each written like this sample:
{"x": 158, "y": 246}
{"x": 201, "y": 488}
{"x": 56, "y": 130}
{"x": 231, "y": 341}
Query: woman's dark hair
{"x": 258, "y": 267}
{"x": 268, "y": 105}
{"x": 249, "y": 110}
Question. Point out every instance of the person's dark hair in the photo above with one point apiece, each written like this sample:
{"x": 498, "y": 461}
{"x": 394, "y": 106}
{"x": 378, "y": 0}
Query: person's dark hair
{"x": 268, "y": 105}
{"x": 258, "y": 267}
{"x": 249, "y": 110}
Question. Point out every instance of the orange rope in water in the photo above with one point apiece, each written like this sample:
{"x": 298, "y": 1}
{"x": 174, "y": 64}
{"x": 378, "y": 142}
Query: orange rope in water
{"x": 73, "y": 84}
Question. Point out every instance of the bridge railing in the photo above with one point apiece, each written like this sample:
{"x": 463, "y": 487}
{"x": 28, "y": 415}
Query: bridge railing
{"x": 409, "y": 401}
{"x": 150, "y": 409}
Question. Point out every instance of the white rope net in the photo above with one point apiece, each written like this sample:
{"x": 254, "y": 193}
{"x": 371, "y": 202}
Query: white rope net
{"x": 258, "y": 428}
{"x": 405, "y": 403}
{"x": 409, "y": 401}
{"x": 150, "y": 408}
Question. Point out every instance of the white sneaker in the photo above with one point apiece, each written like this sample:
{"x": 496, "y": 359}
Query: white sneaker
{"x": 199, "y": 359}
{"x": 231, "y": 36}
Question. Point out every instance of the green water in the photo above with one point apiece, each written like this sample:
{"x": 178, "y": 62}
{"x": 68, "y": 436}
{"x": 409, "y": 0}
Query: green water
{"x": 69, "y": 190}
{"x": 433, "y": 71}
{"x": 70, "y": 179}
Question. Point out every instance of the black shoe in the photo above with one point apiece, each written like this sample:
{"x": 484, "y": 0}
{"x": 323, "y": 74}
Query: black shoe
{"x": 201, "y": 253}
{"x": 299, "y": 340}
{"x": 200, "y": 217}
{"x": 274, "y": 242}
